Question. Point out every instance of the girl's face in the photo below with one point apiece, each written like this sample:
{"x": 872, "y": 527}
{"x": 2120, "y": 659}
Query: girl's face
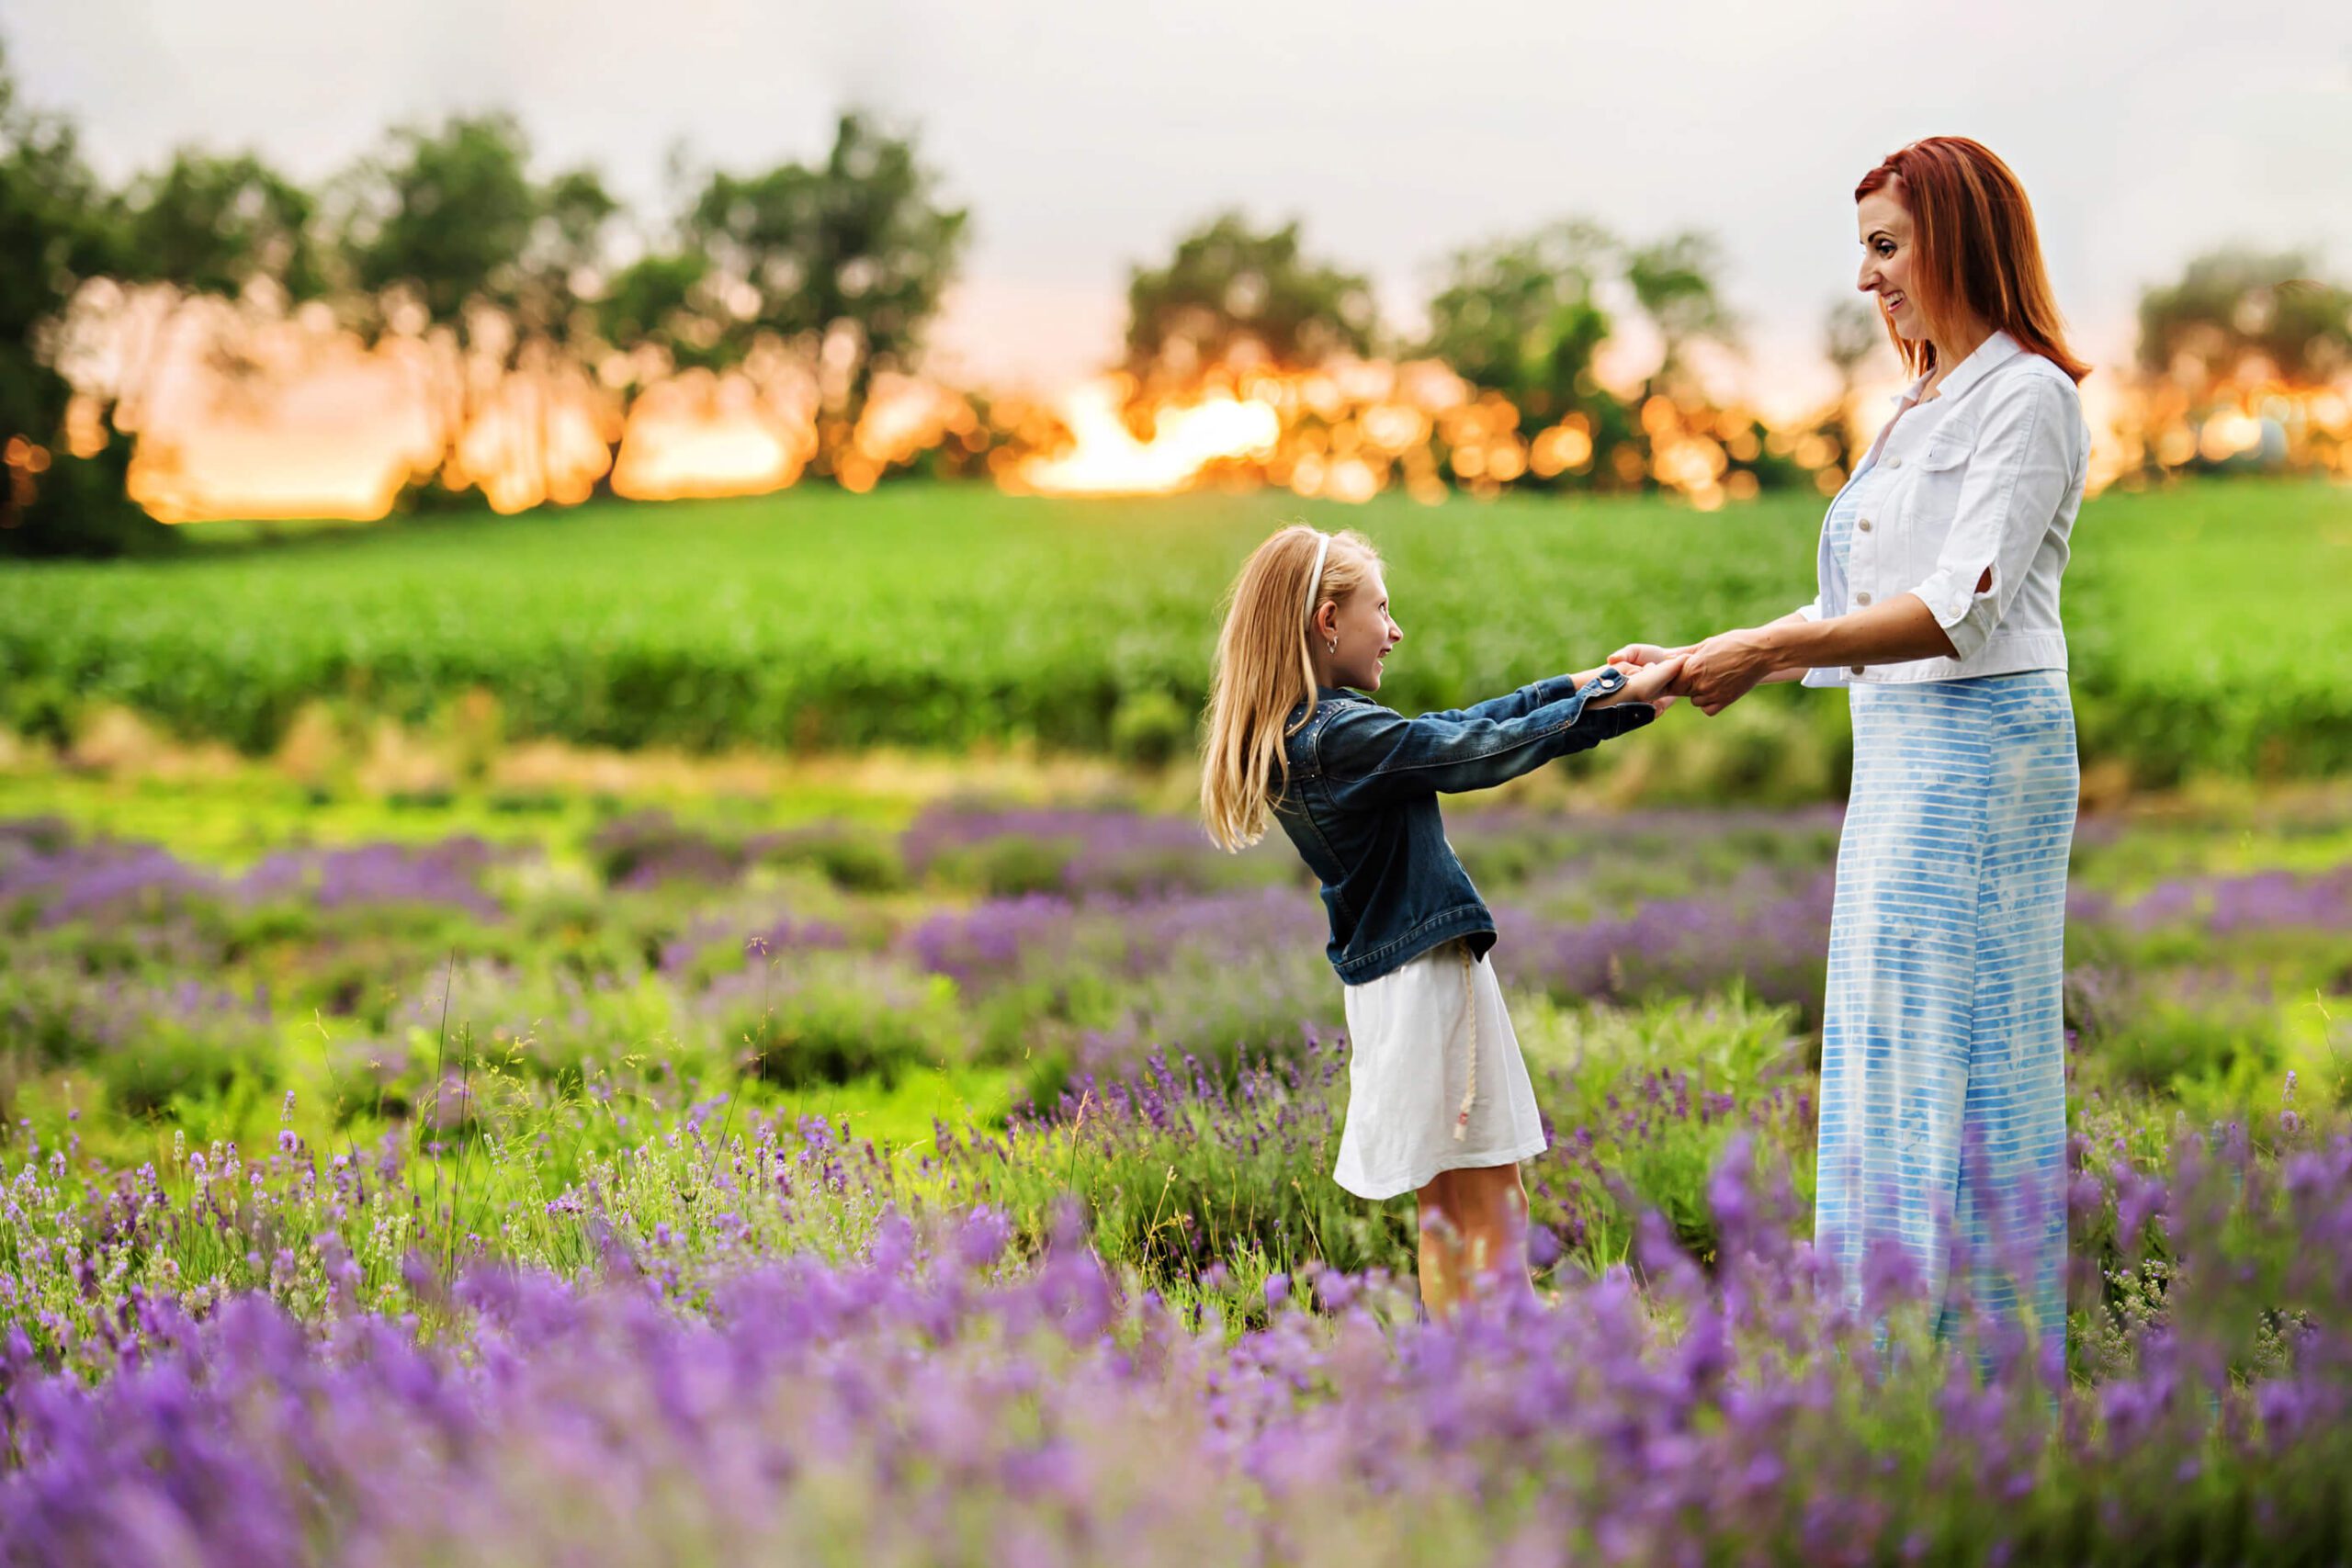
{"x": 1364, "y": 632}
{"x": 1886, "y": 232}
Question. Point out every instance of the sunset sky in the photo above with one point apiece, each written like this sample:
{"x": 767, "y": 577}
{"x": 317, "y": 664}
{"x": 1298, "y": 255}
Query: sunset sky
{"x": 1085, "y": 136}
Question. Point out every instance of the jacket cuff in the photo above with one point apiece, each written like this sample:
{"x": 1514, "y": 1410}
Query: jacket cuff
{"x": 1618, "y": 718}
{"x": 1555, "y": 689}
{"x": 1965, "y": 615}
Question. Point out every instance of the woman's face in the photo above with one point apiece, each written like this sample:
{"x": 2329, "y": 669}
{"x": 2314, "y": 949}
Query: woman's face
{"x": 1365, "y": 634}
{"x": 1885, "y": 226}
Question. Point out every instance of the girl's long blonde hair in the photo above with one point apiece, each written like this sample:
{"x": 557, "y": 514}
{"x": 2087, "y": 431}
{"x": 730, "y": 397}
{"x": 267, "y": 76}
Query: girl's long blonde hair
{"x": 1265, "y": 670}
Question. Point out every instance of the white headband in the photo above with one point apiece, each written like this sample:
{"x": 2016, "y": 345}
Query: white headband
{"x": 1315, "y": 578}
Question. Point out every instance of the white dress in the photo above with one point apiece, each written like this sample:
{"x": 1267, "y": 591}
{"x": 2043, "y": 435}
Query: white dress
{"x": 1411, "y": 1083}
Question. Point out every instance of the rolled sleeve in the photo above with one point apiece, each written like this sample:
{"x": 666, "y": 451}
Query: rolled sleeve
{"x": 2018, "y": 474}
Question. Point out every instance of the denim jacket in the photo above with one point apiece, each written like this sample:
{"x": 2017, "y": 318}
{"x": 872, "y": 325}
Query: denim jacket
{"x": 1361, "y": 806}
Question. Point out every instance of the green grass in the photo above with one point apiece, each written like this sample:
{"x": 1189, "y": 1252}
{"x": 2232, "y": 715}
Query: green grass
{"x": 2213, "y": 623}
{"x": 2212, "y": 628}
{"x": 230, "y": 820}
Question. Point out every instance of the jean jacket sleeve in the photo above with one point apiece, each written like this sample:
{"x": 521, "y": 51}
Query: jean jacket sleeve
{"x": 1512, "y": 705}
{"x": 1371, "y": 754}
{"x": 2027, "y": 455}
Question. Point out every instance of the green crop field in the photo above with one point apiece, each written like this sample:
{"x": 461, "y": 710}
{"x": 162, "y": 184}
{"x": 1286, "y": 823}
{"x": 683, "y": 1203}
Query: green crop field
{"x": 2211, "y": 624}
{"x": 386, "y": 1141}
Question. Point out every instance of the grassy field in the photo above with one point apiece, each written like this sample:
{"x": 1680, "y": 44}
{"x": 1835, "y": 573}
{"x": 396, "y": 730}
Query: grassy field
{"x": 2210, "y": 624}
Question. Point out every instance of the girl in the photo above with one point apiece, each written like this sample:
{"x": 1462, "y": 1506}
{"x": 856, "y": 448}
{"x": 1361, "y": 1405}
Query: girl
{"x": 1944, "y": 1087}
{"x": 1439, "y": 1103}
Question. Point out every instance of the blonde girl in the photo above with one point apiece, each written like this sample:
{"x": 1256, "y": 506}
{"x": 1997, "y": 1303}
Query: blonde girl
{"x": 1439, "y": 1103}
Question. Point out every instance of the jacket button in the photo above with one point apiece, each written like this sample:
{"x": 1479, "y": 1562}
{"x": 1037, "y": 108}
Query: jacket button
{"x": 1854, "y": 668}
{"x": 1894, "y": 462}
{"x": 1861, "y": 598}
{"x": 1864, "y": 524}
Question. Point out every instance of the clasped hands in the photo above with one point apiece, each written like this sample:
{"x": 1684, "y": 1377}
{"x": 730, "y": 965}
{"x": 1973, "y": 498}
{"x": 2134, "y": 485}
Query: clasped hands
{"x": 1713, "y": 674}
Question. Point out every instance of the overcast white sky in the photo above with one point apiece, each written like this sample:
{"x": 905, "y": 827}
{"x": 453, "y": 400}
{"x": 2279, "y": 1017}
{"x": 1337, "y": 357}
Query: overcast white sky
{"x": 1085, "y": 134}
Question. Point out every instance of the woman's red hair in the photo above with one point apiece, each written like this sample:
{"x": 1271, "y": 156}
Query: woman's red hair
{"x": 1977, "y": 248}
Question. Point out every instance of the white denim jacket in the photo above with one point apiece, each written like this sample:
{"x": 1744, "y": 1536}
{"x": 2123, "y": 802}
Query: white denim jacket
{"x": 1979, "y": 485}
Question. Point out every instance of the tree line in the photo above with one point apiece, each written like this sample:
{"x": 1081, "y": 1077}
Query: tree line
{"x": 447, "y": 237}
{"x": 446, "y": 233}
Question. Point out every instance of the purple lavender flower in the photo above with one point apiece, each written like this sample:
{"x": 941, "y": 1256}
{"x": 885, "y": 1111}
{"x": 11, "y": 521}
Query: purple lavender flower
{"x": 446, "y": 872}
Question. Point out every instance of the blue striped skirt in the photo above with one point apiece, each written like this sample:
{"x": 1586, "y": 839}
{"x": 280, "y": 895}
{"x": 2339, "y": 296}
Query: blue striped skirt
{"x": 1944, "y": 1087}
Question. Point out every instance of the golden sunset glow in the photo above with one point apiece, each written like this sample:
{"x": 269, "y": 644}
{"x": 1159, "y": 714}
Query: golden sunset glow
{"x": 1107, "y": 459}
{"x": 708, "y": 436}
{"x": 239, "y": 411}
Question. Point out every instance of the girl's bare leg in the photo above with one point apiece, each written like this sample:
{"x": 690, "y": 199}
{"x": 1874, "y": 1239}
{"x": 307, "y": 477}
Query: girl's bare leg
{"x": 1473, "y": 1224}
{"x": 1441, "y": 1255}
{"x": 1493, "y": 1209}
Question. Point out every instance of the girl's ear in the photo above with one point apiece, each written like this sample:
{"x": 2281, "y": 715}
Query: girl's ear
{"x": 1326, "y": 619}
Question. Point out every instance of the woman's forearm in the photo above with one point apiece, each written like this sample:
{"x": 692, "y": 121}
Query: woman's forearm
{"x": 1896, "y": 631}
{"x": 1786, "y": 672}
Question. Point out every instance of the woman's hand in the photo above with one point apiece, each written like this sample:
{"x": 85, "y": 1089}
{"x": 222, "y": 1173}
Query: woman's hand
{"x": 1725, "y": 668}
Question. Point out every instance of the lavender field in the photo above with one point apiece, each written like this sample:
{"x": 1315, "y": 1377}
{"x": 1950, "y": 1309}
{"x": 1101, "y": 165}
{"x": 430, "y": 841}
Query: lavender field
{"x": 593, "y": 1181}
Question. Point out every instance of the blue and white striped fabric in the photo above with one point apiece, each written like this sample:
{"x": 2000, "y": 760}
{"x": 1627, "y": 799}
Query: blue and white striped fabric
{"x": 1943, "y": 1091}
{"x": 1838, "y": 535}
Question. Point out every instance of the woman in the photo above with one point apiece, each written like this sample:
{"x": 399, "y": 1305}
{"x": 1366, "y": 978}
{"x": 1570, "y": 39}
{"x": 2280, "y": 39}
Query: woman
{"x": 1943, "y": 1095}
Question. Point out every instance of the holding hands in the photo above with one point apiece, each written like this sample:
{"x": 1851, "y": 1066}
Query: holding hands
{"x": 1713, "y": 674}
{"x": 1726, "y": 667}
{"x": 1654, "y": 680}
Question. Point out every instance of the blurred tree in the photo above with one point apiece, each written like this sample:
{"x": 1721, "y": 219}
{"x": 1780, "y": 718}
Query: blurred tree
{"x": 440, "y": 216}
{"x": 558, "y": 281}
{"x": 1526, "y": 316}
{"x": 657, "y": 317}
{"x": 1522, "y": 317}
{"x": 57, "y": 228}
{"x": 1850, "y": 333}
{"x": 224, "y": 227}
{"x": 215, "y": 225}
{"x": 2232, "y": 306}
{"x": 1233, "y": 294}
{"x": 1692, "y": 445}
{"x": 559, "y": 269}
{"x": 444, "y": 236}
{"x": 843, "y": 264}
{"x": 662, "y": 300}
{"x": 429, "y": 231}
{"x": 2237, "y": 359}
{"x": 661, "y": 314}
{"x": 1673, "y": 283}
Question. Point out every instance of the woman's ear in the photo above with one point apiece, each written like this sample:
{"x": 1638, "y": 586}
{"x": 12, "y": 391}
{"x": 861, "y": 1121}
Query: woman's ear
{"x": 1326, "y": 619}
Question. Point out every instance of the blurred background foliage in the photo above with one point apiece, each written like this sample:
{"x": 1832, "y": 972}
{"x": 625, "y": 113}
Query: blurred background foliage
{"x": 536, "y": 318}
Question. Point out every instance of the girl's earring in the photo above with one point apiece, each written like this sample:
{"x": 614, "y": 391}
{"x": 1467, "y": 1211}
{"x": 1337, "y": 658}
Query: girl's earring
{"x": 1335, "y": 644}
